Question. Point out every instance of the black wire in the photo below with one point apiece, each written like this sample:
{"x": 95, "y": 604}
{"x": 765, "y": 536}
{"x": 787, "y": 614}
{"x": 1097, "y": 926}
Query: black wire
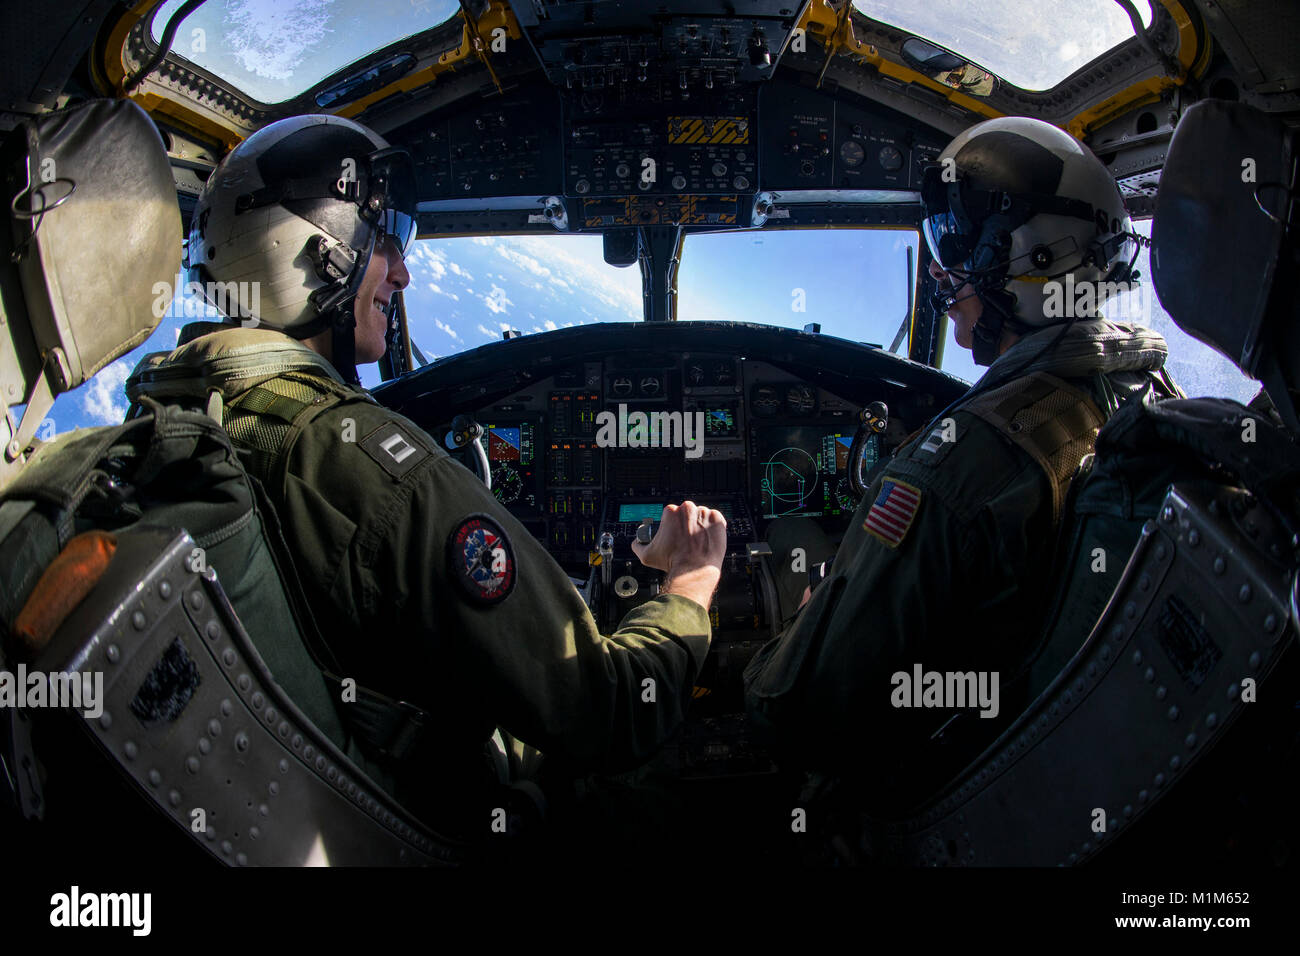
{"x": 164, "y": 45}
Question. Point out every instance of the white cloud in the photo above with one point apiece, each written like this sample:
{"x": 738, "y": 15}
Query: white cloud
{"x": 105, "y": 401}
{"x": 550, "y": 326}
{"x": 486, "y": 331}
{"x": 496, "y": 300}
{"x": 447, "y": 328}
{"x": 271, "y": 38}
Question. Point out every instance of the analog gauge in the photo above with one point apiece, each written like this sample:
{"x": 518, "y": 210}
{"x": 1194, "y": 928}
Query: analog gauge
{"x": 800, "y": 399}
{"x": 507, "y": 486}
{"x": 622, "y": 386}
{"x": 650, "y": 385}
{"x": 724, "y": 373}
{"x": 891, "y": 160}
{"x": 767, "y": 401}
{"x": 695, "y": 374}
{"x": 852, "y": 153}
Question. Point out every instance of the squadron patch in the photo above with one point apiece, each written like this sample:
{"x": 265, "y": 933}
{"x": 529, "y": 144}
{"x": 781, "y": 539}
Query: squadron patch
{"x": 892, "y": 512}
{"x": 481, "y": 560}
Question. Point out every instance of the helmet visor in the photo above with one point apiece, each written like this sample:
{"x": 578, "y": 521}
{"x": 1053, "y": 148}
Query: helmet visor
{"x": 392, "y": 201}
{"x": 946, "y": 229}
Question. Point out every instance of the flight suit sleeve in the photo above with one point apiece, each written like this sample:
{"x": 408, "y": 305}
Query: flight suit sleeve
{"x": 449, "y": 597}
{"x": 928, "y": 580}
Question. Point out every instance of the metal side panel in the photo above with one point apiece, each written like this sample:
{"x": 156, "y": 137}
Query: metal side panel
{"x": 1201, "y": 608}
{"x": 193, "y": 717}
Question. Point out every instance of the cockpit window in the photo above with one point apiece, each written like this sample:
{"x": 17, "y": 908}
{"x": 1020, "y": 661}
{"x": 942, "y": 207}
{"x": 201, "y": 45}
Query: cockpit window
{"x": 852, "y": 282}
{"x": 273, "y": 50}
{"x": 468, "y": 291}
{"x": 1032, "y": 44}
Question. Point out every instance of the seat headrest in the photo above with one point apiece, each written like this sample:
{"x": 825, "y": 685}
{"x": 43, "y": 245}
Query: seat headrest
{"x": 95, "y": 226}
{"x": 1221, "y": 249}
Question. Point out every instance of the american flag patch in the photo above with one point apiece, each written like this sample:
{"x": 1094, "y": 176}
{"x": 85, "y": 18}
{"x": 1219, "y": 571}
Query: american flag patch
{"x": 892, "y": 512}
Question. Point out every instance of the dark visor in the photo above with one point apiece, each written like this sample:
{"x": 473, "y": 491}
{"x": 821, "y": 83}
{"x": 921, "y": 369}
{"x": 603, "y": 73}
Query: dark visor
{"x": 392, "y": 180}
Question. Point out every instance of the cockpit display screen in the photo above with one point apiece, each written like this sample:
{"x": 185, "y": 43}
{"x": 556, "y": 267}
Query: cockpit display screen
{"x": 803, "y": 471}
{"x": 720, "y": 422}
{"x": 510, "y": 452}
{"x": 637, "y": 510}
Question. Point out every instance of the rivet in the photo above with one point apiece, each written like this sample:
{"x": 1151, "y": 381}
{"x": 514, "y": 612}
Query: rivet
{"x": 1270, "y": 622}
{"x": 1173, "y": 712}
{"x": 1142, "y": 796}
{"x": 1211, "y": 719}
{"x": 320, "y": 763}
{"x": 1078, "y": 685}
{"x": 130, "y": 749}
{"x": 254, "y": 833}
{"x": 1193, "y": 537}
{"x": 196, "y": 600}
{"x": 1092, "y": 669}
{"x": 1232, "y": 691}
{"x": 1128, "y": 809}
{"x": 192, "y": 764}
{"x": 273, "y": 788}
{"x": 296, "y": 742}
{"x": 164, "y": 589}
{"x": 1130, "y": 610}
{"x": 226, "y": 848}
{"x": 244, "y": 682}
{"x": 1160, "y": 780}
{"x": 174, "y": 798}
{"x": 352, "y": 789}
{"x": 1105, "y": 652}
{"x": 241, "y": 859}
{"x": 211, "y": 835}
{"x": 1150, "y": 675}
{"x": 1161, "y": 691}
{"x": 263, "y": 810}
{"x": 1160, "y": 552}
{"x": 309, "y": 751}
{"x": 1254, "y": 660}
{"x": 270, "y": 715}
{"x": 214, "y": 727}
{"x": 205, "y": 746}
{"x": 155, "y": 778}
{"x": 1244, "y": 594}
{"x": 1175, "y": 762}
{"x": 258, "y": 700}
{"x": 241, "y": 741}
{"x": 228, "y": 656}
{"x": 1220, "y": 565}
{"x": 1054, "y": 709}
{"x": 113, "y": 654}
{"x": 284, "y": 765}
{"x": 331, "y": 773}
{"x": 283, "y": 729}
{"x": 1144, "y": 582}
{"x": 1137, "y": 657}
{"x": 213, "y": 630}
{"x": 138, "y": 620}
{"x": 226, "y": 708}
{"x": 106, "y": 720}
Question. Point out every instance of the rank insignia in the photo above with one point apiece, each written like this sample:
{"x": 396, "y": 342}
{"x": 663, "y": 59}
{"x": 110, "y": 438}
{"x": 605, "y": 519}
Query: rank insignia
{"x": 892, "y": 512}
{"x": 481, "y": 560}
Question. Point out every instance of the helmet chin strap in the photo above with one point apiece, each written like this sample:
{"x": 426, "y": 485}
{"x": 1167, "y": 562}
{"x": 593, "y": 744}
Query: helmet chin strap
{"x": 336, "y": 302}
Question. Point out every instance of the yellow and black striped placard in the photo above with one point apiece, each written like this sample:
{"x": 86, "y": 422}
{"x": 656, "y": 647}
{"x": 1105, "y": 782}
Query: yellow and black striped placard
{"x": 697, "y": 129}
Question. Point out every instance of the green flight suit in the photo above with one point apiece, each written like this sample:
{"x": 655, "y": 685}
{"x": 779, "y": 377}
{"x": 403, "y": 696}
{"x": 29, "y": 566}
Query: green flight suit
{"x": 950, "y": 572}
{"x": 375, "y": 515}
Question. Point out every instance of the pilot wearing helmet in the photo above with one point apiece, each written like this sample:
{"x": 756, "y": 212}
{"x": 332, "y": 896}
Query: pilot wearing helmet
{"x": 423, "y": 588}
{"x": 947, "y": 564}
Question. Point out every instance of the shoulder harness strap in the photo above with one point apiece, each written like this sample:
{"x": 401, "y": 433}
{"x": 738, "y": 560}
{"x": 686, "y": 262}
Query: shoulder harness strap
{"x": 1054, "y": 422}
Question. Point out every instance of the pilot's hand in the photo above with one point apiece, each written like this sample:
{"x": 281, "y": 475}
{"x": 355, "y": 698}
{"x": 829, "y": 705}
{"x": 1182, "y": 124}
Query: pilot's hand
{"x": 689, "y": 545}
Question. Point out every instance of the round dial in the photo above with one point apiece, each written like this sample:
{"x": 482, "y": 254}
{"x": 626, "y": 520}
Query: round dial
{"x": 852, "y": 153}
{"x": 695, "y": 374}
{"x": 800, "y": 399}
{"x": 767, "y": 401}
{"x": 723, "y": 373}
{"x": 622, "y": 386}
{"x": 844, "y": 496}
{"x": 650, "y": 385}
{"x": 507, "y": 486}
{"x": 891, "y": 160}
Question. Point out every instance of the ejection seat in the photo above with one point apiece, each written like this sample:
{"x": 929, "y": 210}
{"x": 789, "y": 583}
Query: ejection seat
{"x": 192, "y": 717}
{"x": 1206, "y": 608}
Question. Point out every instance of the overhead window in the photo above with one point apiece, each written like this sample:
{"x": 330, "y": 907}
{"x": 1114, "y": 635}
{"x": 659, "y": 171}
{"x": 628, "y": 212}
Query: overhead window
{"x": 1032, "y": 44}
{"x": 274, "y": 50}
